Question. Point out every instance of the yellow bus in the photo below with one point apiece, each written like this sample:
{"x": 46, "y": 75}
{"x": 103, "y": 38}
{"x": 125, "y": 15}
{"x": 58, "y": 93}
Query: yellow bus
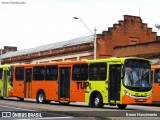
{"x": 6, "y": 81}
{"x": 112, "y": 81}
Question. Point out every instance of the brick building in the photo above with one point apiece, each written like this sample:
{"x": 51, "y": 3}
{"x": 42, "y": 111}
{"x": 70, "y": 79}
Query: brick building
{"x": 130, "y": 37}
{"x": 8, "y": 49}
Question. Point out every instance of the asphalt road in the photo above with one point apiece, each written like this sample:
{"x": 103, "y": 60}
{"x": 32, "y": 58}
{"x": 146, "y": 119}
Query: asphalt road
{"x": 15, "y": 113}
{"x": 79, "y": 110}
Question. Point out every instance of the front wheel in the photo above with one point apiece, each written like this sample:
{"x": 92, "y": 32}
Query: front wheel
{"x": 98, "y": 101}
{"x": 41, "y": 98}
{"x": 122, "y": 106}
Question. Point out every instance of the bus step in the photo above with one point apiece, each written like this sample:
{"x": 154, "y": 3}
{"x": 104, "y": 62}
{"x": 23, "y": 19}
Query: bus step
{"x": 112, "y": 104}
{"x": 63, "y": 101}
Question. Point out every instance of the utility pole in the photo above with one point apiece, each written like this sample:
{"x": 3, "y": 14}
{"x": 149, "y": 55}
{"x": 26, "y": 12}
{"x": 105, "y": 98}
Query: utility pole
{"x": 95, "y": 36}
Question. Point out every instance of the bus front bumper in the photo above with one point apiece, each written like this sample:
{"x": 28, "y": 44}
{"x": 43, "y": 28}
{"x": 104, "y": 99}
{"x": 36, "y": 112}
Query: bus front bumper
{"x": 136, "y": 100}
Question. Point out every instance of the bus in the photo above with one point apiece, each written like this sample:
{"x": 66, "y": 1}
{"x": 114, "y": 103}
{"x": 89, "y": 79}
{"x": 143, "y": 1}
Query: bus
{"x": 156, "y": 83}
{"x": 6, "y": 81}
{"x": 112, "y": 81}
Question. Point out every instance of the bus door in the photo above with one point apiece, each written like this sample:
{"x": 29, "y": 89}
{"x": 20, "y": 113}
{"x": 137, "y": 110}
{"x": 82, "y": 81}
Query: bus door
{"x": 18, "y": 82}
{"x": 4, "y": 83}
{"x": 64, "y": 83}
{"x": 27, "y": 82}
{"x": 114, "y": 83}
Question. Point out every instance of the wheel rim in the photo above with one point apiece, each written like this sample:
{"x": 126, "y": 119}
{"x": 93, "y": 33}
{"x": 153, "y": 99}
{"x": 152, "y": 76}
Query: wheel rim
{"x": 40, "y": 98}
{"x": 96, "y": 101}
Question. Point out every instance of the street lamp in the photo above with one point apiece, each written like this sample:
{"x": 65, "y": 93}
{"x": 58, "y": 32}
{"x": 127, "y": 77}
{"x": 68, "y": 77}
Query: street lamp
{"x": 95, "y": 36}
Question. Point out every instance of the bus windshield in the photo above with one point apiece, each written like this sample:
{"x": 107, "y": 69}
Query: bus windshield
{"x": 137, "y": 77}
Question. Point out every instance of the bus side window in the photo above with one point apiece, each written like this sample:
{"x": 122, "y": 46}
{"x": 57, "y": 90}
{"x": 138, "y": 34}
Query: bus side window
{"x": 38, "y": 73}
{"x": 19, "y": 75}
{"x": 97, "y": 71}
{"x": 51, "y": 72}
{"x": 1, "y": 70}
{"x": 80, "y": 72}
{"x": 157, "y": 76}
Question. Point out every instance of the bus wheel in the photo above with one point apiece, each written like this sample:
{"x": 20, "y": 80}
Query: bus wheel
{"x": 41, "y": 98}
{"x": 98, "y": 101}
{"x": 122, "y": 106}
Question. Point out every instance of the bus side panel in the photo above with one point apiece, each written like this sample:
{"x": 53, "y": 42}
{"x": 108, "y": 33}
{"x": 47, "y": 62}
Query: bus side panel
{"x": 77, "y": 91}
{"x": 36, "y": 86}
{"x": 99, "y": 86}
{"x": 48, "y": 87}
{"x": 18, "y": 88}
{"x": 156, "y": 92}
{"x": 51, "y": 90}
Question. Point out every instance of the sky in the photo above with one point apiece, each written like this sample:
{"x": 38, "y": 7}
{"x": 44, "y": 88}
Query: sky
{"x": 40, "y": 22}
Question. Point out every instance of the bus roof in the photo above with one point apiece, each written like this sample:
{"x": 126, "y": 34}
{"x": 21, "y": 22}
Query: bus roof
{"x": 114, "y": 59}
{"x": 82, "y": 61}
{"x": 6, "y": 65}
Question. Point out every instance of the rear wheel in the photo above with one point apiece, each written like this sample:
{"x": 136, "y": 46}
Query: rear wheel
{"x": 41, "y": 98}
{"x": 98, "y": 101}
{"x": 122, "y": 106}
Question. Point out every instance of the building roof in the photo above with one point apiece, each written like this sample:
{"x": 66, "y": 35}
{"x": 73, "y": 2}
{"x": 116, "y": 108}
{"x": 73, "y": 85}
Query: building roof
{"x": 77, "y": 41}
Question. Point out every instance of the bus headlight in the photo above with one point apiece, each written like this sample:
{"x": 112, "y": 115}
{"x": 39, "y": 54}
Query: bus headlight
{"x": 128, "y": 94}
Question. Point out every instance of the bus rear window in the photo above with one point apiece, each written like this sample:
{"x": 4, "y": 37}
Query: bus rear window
{"x": 97, "y": 71}
{"x": 1, "y": 70}
{"x": 19, "y": 73}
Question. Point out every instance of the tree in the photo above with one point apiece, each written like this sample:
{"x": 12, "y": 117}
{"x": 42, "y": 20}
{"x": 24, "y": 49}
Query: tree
{"x": 157, "y": 26}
